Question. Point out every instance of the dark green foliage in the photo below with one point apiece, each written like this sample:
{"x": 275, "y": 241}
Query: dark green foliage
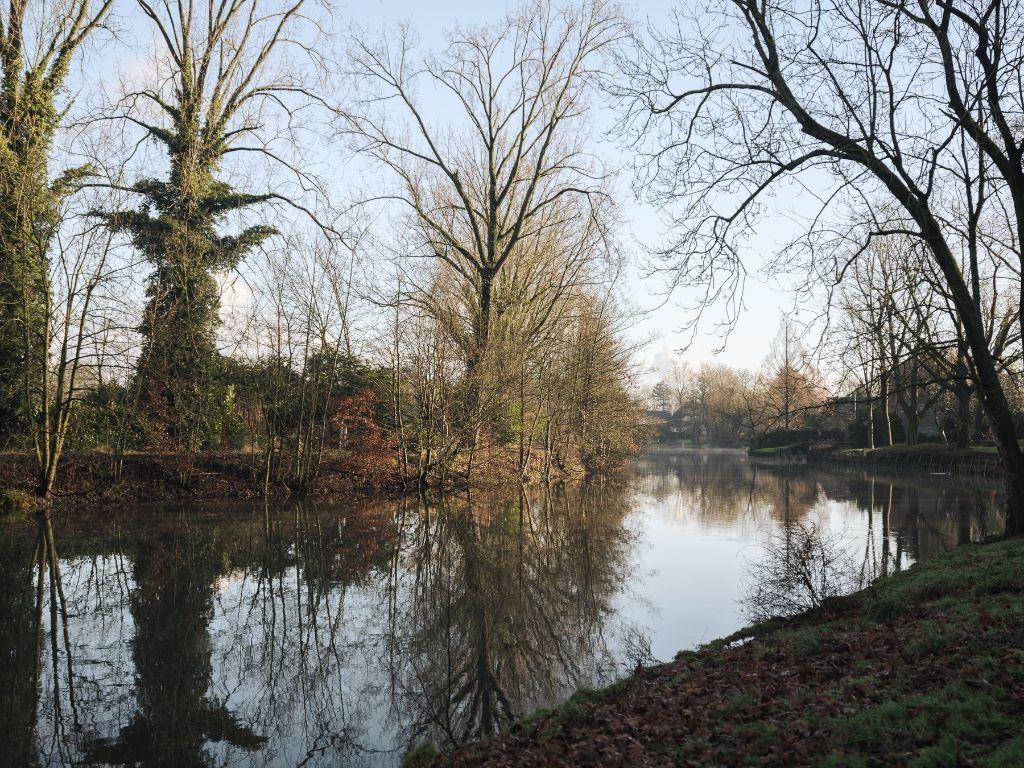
{"x": 292, "y": 414}
{"x": 14, "y": 504}
{"x": 181, "y": 380}
{"x": 421, "y": 754}
{"x": 283, "y": 397}
{"x": 108, "y": 417}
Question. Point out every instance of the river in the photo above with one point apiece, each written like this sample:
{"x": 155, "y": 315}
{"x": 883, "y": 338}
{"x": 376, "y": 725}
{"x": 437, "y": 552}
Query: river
{"x": 321, "y": 634}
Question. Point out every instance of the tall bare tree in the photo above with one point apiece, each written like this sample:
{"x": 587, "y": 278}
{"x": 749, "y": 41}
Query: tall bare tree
{"x": 505, "y": 183}
{"x": 876, "y": 96}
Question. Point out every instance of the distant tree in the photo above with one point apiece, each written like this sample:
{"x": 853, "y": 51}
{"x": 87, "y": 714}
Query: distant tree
{"x": 662, "y": 397}
{"x": 678, "y": 380}
{"x": 296, "y": 363}
{"x": 793, "y": 388}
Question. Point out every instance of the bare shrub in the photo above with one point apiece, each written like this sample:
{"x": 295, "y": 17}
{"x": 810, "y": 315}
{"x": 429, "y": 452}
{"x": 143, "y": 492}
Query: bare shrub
{"x": 804, "y": 566}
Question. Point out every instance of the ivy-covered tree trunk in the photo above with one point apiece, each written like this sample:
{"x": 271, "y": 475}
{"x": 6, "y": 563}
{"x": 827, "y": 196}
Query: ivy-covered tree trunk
{"x": 180, "y": 382}
{"x": 219, "y": 52}
{"x": 28, "y": 218}
{"x": 37, "y": 45}
{"x": 22, "y": 310}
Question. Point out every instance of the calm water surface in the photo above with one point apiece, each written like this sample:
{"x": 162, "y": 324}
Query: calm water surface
{"x": 324, "y": 635}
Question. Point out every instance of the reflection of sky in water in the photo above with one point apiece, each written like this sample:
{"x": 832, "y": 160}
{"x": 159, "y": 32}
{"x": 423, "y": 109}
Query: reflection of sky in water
{"x": 546, "y": 597}
{"x": 100, "y": 630}
{"x": 702, "y": 518}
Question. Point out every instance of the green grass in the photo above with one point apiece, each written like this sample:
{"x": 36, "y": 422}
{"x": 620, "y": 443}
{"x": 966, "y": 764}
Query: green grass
{"x": 971, "y": 596}
{"x": 17, "y": 505}
{"x": 924, "y": 669}
{"x": 570, "y": 713}
{"x": 421, "y": 754}
{"x": 954, "y": 722}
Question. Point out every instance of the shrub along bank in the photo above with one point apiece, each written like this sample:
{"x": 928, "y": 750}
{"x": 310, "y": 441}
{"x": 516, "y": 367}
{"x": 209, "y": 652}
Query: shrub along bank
{"x": 925, "y": 668}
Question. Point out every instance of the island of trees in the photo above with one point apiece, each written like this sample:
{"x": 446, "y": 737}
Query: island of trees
{"x": 181, "y": 278}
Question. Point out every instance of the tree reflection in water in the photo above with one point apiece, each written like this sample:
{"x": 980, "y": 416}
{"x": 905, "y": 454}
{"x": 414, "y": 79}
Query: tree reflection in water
{"x": 906, "y": 517}
{"x": 807, "y": 513}
{"x": 327, "y": 635}
{"x": 509, "y": 607}
{"x": 172, "y": 604}
{"x": 30, "y": 584}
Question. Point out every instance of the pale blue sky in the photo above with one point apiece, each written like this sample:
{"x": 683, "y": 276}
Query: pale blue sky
{"x": 749, "y": 342}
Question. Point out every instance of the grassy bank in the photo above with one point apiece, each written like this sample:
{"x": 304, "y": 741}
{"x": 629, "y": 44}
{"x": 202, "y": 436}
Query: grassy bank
{"x": 923, "y": 669}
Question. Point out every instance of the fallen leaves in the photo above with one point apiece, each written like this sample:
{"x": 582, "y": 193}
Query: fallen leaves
{"x": 875, "y": 694}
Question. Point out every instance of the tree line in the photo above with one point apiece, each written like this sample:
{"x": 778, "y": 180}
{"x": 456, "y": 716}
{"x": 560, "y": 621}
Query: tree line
{"x": 186, "y": 268}
{"x": 900, "y": 125}
{"x": 879, "y": 375}
{"x": 718, "y": 405}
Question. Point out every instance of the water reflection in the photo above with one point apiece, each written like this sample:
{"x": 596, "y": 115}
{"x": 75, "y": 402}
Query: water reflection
{"x": 30, "y": 583}
{"x": 201, "y": 636}
{"x": 913, "y": 516}
{"x": 508, "y": 607}
{"x": 171, "y": 604}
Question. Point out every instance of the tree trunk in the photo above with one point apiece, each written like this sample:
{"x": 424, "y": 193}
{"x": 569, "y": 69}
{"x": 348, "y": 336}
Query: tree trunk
{"x": 914, "y": 403}
{"x": 883, "y": 396}
{"x": 997, "y": 409}
{"x": 871, "y": 420}
{"x": 912, "y": 425}
{"x": 1005, "y": 435}
{"x": 963, "y": 409}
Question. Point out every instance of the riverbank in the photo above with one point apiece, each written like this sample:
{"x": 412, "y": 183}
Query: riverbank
{"x": 925, "y": 668}
{"x": 928, "y": 457}
{"x": 95, "y": 478}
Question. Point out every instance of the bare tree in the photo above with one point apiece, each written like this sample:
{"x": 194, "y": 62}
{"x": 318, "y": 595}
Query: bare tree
{"x": 804, "y": 566}
{"x": 876, "y": 96}
{"x": 793, "y": 387}
{"x": 82, "y": 297}
{"x": 295, "y": 355}
{"x": 505, "y": 184}
{"x": 898, "y": 329}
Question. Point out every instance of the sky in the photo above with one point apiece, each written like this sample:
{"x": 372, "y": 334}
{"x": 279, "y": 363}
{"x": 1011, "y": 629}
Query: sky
{"x": 660, "y": 327}
{"x": 664, "y": 316}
